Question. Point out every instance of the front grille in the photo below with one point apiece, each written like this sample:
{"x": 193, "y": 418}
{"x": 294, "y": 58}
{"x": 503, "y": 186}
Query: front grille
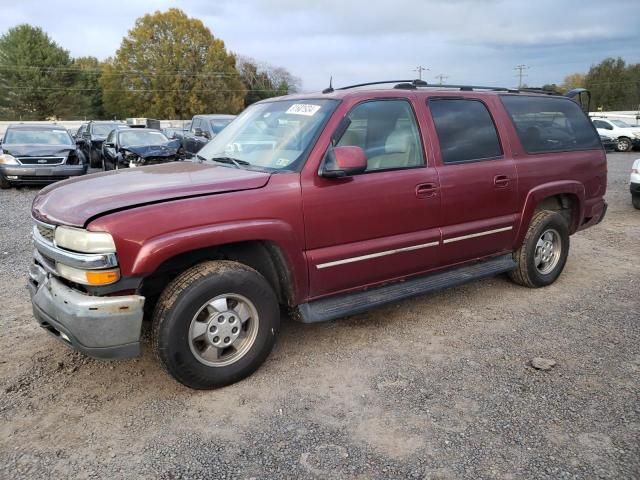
{"x": 158, "y": 160}
{"x": 45, "y": 231}
{"x": 41, "y": 160}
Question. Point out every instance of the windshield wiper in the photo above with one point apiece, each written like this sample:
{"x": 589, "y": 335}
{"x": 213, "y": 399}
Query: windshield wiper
{"x": 229, "y": 160}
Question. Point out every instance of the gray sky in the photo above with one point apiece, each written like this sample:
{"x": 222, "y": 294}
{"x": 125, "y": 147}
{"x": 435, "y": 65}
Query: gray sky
{"x": 470, "y": 41}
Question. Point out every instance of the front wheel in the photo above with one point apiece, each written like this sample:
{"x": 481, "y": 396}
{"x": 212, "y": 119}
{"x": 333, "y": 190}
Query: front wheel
{"x": 543, "y": 254}
{"x": 215, "y": 324}
{"x": 623, "y": 144}
{"x": 4, "y": 183}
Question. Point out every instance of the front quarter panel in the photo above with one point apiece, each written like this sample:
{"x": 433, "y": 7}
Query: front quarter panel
{"x": 146, "y": 236}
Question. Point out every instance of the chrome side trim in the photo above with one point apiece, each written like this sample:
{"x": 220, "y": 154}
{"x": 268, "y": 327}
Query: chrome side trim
{"x": 87, "y": 261}
{"x": 479, "y": 234}
{"x": 376, "y": 255}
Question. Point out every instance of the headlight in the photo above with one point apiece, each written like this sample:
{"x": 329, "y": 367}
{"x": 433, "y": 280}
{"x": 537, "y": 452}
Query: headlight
{"x": 88, "y": 277}
{"x": 83, "y": 241}
{"x": 6, "y": 159}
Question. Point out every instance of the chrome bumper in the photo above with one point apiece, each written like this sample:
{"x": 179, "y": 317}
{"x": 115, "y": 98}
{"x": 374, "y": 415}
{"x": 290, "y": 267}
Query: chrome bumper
{"x": 101, "y": 327}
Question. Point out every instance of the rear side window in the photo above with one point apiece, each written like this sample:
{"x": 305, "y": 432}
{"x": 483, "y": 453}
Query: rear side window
{"x": 465, "y": 130}
{"x": 550, "y": 124}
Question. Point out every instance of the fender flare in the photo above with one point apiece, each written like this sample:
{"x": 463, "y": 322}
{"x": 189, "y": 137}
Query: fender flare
{"x": 539, "y": 193}
{"x": 156, "y": 251}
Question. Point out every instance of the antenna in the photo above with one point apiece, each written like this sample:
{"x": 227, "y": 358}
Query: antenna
{"x": 330, "y": 88}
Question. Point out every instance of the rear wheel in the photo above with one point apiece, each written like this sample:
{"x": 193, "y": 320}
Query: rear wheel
{"x": 635, "y": 200}
{"x": 215, "y": 324}
{"x": 543, "y": 254}
{"x": 623, "y": 144}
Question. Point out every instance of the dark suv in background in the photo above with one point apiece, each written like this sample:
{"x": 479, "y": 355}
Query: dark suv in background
{"x": 36, "y": 154}
{"x": 203, "y": 128}
{"x": 90, "y": 137}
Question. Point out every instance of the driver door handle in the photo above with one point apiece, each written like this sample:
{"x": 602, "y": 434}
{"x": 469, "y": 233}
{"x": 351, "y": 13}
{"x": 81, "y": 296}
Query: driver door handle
{"x": 425, "y": 190}
{"x": 501, "y": 181}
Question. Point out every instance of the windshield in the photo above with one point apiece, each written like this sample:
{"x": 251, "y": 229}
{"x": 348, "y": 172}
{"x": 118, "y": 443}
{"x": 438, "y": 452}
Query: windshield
{"x": 218, "y": 125}
{"x": 141, "y": 137}
{"x": 273, "y": 135}
{"x": 104, "y": 129}
{"x": 38, "y": 137}
{"x": 620, "y": 123}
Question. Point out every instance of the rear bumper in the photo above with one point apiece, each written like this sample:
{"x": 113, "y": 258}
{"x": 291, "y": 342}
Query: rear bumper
{"x": 101, "y": 327}
{"x": 43, "y": 174}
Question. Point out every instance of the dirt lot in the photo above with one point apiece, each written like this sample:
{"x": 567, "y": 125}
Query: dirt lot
{"x": 436, "y": 387}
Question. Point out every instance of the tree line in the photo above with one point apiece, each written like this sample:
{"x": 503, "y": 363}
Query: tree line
{"x": 614, "y": 85}
{"x": 168, "y": 66}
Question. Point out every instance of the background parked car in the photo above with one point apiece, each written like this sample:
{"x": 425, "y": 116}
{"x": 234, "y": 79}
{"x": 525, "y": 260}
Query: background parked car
{"x": 634, "y": 184}
{"x": 135, "y": 147}
{"x": 32, "y": 154}
{"x": 625, "y": 135}
{"x": 90, "y": 137}
{"x": 608, "y": 143}
{"x": 203, "y": 128}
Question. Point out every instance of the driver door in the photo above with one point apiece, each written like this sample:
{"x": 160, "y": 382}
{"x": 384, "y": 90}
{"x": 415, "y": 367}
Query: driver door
{"x": 379, "y": 225}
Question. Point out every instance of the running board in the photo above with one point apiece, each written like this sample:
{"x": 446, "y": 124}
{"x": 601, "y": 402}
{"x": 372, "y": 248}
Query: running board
{"x": 343, "y": 305}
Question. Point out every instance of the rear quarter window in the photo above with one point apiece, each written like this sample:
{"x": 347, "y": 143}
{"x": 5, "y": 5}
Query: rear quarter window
{"x": 550, "y": 124}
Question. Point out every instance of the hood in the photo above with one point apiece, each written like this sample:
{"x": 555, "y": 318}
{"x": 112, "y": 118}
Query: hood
{"x": 75, "y": 201}
{"x": 145, "y": 151}
{"x": 21, "y": 150}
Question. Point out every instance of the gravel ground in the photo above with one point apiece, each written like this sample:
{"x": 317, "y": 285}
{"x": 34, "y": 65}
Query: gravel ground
{"x": 437, "y": 387}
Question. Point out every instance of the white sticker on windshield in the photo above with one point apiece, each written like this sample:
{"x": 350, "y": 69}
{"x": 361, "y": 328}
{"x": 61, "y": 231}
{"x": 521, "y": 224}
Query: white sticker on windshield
{"x": 303, "y": 109}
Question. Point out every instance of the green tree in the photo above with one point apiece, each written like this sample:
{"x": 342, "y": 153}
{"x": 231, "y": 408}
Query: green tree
{"x": 171, "y": 66}
{"x": 87, "y": 89}
{"x": 573, "y": 80}
{"x": 264, "y": 81}
{"x": 610, "y": 84}
{"x": 35, "y": 75}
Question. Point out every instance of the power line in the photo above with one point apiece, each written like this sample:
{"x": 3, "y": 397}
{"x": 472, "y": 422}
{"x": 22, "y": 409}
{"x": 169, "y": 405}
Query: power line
{"x": 442, "y": 78}
{"x": 420, "y": 69}
{"x": 520, "y": 69}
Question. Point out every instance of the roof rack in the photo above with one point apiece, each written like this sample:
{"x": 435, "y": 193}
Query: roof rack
{"x": 415, "y": 84}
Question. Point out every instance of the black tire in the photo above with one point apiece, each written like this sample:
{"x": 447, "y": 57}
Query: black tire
{"x": 181, "y": 301}
{"x": 635, "y": 200}
{"x": 94, "y": 161}
{"x": 527, "y": 272}
{"x": 623, "y": 144}
{"x": 4, "y": 183}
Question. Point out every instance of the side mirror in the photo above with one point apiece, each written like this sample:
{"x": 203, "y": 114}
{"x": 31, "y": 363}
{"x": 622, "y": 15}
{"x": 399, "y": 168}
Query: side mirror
{"x": 109, "y": 145}
{"x": 343, "y": 162}
{"x": 198, "y": 132}
{"x": 206, "y": 135}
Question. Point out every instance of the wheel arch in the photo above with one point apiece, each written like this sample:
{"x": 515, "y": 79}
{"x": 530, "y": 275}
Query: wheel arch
{"x": 565, "y": 197}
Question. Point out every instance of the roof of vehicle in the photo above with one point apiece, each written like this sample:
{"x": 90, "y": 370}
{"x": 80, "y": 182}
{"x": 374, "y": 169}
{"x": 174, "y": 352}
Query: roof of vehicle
{"x": 26, "y": 126}
{"x": 402, "y": 87}
{"x": 214, "y": 116}
{"x": 138, "y": 130}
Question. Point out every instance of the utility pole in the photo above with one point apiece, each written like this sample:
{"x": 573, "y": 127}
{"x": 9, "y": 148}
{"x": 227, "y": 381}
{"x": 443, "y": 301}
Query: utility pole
{"x": 442, "y": 77}
{"x": 420, "y": 69}
{"x": 520, "y": 69}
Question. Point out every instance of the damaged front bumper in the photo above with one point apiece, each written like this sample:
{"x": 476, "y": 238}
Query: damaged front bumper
{"x": 99, "y": 326}
{"x": 40, "y": 174}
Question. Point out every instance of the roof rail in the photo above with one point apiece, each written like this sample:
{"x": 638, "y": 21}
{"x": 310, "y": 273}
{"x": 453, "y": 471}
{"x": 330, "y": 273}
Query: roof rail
{"x": 415, "y": 84}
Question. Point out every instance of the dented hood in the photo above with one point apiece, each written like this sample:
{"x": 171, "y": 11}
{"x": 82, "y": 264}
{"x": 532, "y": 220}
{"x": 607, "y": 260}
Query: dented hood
{"x": 75, "y": 201}
{"x": 145, "y": 151}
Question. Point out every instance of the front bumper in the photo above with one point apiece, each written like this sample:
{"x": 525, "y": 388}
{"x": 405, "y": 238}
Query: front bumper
{"x": 101, "y": 327}
{"x": 44, "y": 174}
{"x": 634, "y": 188}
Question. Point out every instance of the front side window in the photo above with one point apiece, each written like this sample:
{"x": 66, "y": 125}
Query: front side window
{"x": 602, "y": 125}
{"x": 465, "y": 129}
{"x": 550, "y": 124}
{"x": 387, "y": 132}
{"x": 196, "y": 125}
{"x": 272, "y": 135}
{"x": 103, "y": 129}
{"x": 24, "y": 136}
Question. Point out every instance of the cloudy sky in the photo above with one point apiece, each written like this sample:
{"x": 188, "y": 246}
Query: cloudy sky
{"x": 470, "y": 41}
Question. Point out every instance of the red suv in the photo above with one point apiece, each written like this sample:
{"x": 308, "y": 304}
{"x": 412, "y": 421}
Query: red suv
{"x": 321, "y": 206}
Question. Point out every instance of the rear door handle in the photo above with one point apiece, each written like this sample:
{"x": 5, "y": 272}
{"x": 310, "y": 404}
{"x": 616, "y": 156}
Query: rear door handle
{"x": 501, "y": 181}
{"x": 425, "y": 190}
